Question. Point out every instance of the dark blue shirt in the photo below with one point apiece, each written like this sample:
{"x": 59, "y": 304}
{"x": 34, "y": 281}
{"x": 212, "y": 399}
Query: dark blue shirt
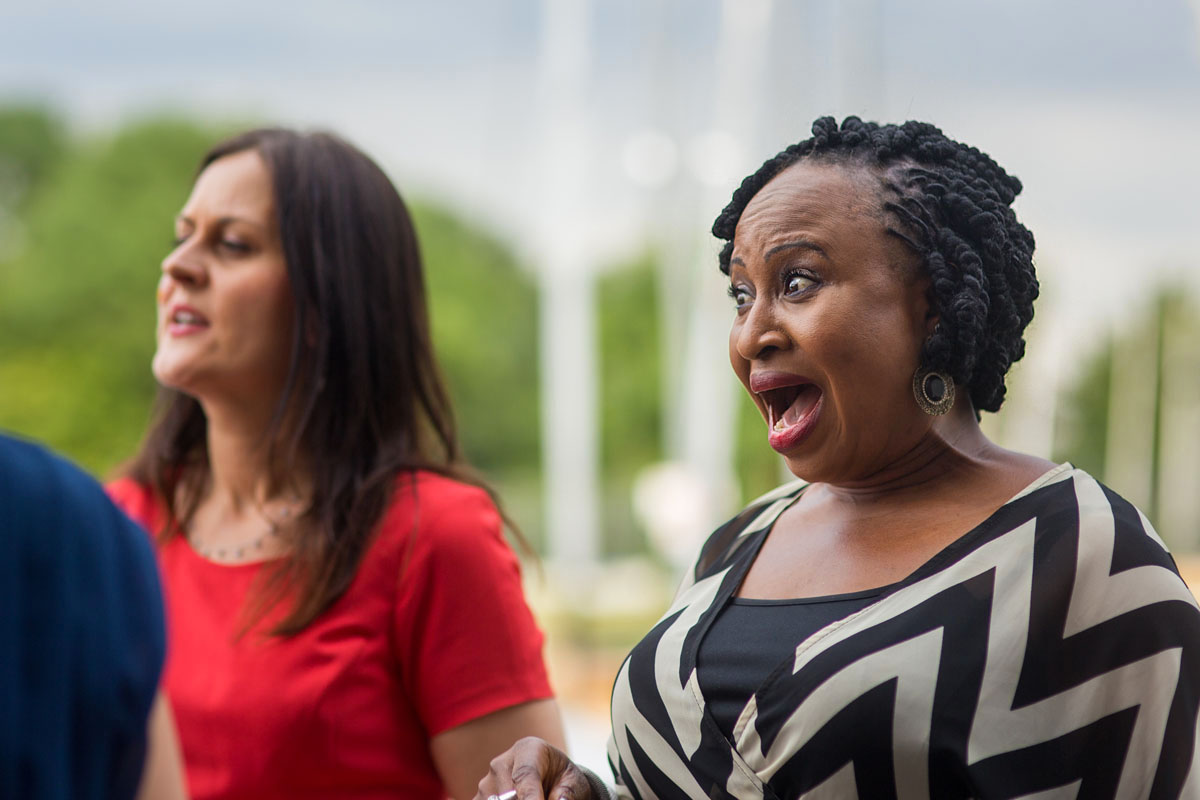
{"x": 82, "y": 637}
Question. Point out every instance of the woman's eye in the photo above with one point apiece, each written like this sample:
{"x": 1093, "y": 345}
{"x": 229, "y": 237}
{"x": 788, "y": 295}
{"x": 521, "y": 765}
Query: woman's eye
{"x": 741, "y": 298}
{"x": 796, "y": 283}
{"x": 235, "y": 246}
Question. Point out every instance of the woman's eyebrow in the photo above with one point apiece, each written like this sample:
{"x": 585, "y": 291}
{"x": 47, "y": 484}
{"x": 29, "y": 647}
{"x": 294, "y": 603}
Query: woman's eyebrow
{"x": 806, "y": 244}
{"x": 186, "y": 220}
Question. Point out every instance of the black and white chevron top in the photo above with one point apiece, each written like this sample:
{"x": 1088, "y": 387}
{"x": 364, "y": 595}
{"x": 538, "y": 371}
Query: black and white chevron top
{"x": 1051, "y": 652}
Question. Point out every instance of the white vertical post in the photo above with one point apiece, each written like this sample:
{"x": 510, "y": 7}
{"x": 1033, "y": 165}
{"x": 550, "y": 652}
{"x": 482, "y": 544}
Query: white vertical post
{"x": 718, "y": 160}
{"x": 569, "y": 419}
{"x": 567, "y": 318}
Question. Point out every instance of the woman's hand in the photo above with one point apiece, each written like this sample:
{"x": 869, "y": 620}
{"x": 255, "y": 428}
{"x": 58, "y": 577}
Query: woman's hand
{"x": 461, "y": 754}
{"x": 537, "y": 771}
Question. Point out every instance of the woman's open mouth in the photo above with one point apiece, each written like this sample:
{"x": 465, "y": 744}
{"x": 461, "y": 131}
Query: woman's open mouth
{"x": 792, "y": 413}
{"x": 183, "y": 321}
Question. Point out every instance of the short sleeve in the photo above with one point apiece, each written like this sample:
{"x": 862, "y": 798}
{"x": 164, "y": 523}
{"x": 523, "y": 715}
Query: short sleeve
{"x": 466, "y": 639}
{"x": 1138, "y": 626}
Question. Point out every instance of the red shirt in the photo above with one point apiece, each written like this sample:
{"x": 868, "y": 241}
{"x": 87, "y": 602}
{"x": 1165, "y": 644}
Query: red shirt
{"x": 432, "y": 633}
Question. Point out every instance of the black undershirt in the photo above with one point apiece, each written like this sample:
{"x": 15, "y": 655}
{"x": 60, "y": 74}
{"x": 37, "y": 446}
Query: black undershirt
{"x": 750, "y": 638}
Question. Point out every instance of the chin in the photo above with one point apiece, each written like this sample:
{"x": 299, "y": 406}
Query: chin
{"x": 172, "y": 376}
{"x": 812, "y": 468}
{"x": 803, "y": 469}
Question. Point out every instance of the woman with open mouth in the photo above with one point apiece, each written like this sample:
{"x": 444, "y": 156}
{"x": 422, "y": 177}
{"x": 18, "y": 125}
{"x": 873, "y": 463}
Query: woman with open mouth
{"x": 923, "y": 613}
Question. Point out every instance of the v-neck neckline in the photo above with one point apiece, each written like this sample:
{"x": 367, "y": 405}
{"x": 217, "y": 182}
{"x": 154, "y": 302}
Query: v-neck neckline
{"x": 747, "y": 551}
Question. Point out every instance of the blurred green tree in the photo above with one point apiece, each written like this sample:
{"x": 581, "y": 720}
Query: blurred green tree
{"x": 631, "y": 408}
{"x": 1130, "y": 418}
{"x": 631, "y": 426}
{"x": 483, "y": 309}
{"x": 758, "y": 468}
{"x": 32, "y": 140}
{"x": 77, "y": 310}
{"x": 1081, "y": 425}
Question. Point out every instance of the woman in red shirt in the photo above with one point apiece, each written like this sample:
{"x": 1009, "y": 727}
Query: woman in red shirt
{"x": 345, "y": 618}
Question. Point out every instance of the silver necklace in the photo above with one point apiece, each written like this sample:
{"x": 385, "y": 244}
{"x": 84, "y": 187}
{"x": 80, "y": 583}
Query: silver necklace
{"x": 231, "y": 553}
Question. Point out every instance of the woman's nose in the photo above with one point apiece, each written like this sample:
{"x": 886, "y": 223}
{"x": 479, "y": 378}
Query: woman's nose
{"x": 182, "y": 265}
{"x": 760, "y": 333}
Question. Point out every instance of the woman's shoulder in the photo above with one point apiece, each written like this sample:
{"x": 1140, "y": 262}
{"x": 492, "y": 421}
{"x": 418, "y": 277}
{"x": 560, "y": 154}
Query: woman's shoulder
{"x": 439, "y": 511}
{"x": 1105, "y": 516}
{"x": 437, "y": 496}
{"x": 441, "y": 489}
{"x": 1114, "y": 544}
{"x": 136, "y": 499}
{"x": 726, "y": 540}
{"x": 437, "y": 528}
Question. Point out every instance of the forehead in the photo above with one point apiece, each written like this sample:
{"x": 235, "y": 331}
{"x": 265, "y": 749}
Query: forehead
{"x": 826, "y": 203}
{"x": 237, "y": 185}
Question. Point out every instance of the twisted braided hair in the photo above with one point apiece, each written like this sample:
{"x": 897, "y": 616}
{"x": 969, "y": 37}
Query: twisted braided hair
{"x": 950, "y": 204}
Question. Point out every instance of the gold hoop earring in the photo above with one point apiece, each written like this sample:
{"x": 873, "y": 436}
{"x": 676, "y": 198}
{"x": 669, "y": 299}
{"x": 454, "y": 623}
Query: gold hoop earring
{"x": 934, "y": 391}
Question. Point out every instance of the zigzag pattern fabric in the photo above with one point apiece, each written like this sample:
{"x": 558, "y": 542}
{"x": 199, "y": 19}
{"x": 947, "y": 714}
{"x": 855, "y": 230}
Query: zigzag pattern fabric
{"x": 1051, "y": 652}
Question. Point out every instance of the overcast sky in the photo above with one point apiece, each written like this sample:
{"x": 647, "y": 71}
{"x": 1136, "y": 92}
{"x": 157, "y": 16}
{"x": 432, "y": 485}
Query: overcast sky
{"x": 1094, "y": 104}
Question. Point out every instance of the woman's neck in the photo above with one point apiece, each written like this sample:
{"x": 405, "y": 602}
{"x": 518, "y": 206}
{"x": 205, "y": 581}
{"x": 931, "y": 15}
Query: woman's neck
{"x": 245, "y": 470}
{"x": 953, "y": 452}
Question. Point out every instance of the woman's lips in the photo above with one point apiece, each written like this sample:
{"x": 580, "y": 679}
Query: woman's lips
{"x": 790, "y": 426}
{"x": 185, "y": 321}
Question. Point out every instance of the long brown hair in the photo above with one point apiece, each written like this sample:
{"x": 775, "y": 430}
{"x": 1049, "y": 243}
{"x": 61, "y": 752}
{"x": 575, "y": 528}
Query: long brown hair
{"x": 363, "y": 400}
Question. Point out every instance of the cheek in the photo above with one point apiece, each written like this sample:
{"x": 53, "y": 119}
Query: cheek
{"x": 741, "y": 368}
{"x": 735, "y": 359}
{"x": 280, "y": 316}
{"x": 871, "y": 361}
{"x": 257, "y": 316}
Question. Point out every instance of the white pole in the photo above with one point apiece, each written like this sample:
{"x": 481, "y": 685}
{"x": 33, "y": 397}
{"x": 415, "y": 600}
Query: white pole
{"x": 567, "y": 318}
{"x": 718, "y": 159}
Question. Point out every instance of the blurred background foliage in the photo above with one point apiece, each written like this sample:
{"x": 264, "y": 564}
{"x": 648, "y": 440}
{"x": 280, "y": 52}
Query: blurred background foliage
{"x": 631, "y": 422}
{"x": 85, "y": 221}
{"x": 89, "y": 222}
{"x": 85, "y": 224}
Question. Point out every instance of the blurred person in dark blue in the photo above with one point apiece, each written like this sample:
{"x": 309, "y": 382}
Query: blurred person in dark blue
{"x": 82, "y": 640}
